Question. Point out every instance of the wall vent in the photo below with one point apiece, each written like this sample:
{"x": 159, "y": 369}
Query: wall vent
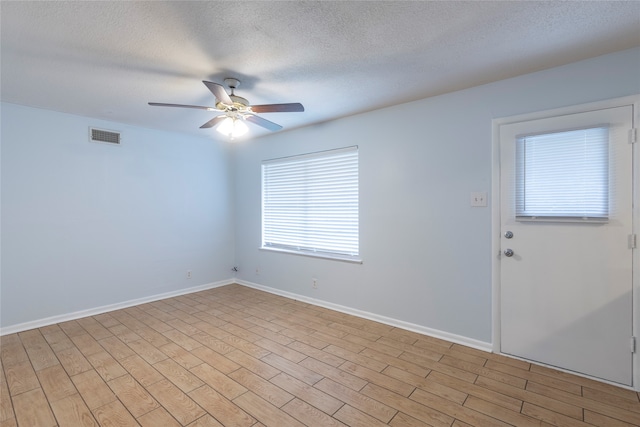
{"x": 105, "y": 136}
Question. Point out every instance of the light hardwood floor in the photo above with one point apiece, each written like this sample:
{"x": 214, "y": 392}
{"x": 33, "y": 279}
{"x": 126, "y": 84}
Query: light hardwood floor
{"x": 235, "y": 356}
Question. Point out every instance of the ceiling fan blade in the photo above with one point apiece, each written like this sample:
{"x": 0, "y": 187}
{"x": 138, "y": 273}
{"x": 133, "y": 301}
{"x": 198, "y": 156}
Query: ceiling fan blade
{"x": 295, "y": 107}
{"x": 263, "y": 122}
{"x": 219, "y": 92}
{"x": 199, "y": 107}
{"x": 211, "y": 123}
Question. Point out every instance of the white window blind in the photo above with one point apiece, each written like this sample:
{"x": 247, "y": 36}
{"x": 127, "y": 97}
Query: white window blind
{"x": 563, "y": 175}
{"x": 310, "y": 204}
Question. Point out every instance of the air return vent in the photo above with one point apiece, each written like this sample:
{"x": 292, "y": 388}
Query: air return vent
{"x": 105, "y": 136}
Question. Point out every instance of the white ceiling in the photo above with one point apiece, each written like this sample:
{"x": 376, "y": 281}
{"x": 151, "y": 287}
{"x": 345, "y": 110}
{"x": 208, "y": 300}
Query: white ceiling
{"x": 108, "y": 59}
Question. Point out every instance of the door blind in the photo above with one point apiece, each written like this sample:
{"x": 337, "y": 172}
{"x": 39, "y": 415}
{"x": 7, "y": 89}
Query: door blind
{"x": 563, "y": 175}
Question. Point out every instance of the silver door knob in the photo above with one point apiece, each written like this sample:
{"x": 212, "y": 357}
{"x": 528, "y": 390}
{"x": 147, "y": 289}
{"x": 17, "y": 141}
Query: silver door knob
{"x": 508, "y": 252}
{"x": 508, "y": 235}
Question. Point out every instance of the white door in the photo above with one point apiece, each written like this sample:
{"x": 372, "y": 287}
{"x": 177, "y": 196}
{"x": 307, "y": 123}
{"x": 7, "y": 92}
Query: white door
{"x": 565, "y": 289}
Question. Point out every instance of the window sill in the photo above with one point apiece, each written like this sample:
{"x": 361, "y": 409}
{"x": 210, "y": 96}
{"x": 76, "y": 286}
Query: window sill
{"x": 315, "y": 255}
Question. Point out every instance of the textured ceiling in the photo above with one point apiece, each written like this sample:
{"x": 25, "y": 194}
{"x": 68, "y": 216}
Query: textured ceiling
{"x": 108, "y": 59}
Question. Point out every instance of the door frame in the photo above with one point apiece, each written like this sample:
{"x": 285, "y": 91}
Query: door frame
{"x": 634, "y": 101}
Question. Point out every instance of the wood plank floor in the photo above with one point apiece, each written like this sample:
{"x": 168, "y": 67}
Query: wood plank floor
{"x": 235, "y": 356}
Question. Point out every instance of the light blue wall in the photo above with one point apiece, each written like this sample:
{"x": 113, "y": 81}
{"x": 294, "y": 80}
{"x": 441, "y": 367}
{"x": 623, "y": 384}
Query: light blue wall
{"x": 426, "y": 252}
{"x": 86, "y": 225}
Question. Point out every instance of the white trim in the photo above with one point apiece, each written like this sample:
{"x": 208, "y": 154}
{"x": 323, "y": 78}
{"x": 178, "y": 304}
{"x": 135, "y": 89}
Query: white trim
{"x": 636, "y": 251}
{"x": 633, "y": 100}
{"x": 572, "y": 109}
{"x": 458, "y": 339}
{"x": 106, "y": 308}
{"x": 495, "y": 238}
{"x": 312, "y": 254}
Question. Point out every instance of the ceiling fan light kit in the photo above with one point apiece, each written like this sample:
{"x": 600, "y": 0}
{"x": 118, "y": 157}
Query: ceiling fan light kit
{"x": 233, "y": 127}
{"x": 236, "y": 110}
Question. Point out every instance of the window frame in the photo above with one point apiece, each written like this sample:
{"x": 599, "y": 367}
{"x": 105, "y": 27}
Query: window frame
{"x": 522, "y": 214}
{"x": 307, "y": 160}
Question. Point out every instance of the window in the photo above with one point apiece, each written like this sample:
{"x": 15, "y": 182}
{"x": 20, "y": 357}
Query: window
{"x": 310, "y": 204}
{"x": 563, "y": 175}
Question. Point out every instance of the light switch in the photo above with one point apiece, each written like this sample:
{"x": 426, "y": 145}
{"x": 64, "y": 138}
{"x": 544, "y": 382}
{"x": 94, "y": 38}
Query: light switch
{"x": 479, "y": 199}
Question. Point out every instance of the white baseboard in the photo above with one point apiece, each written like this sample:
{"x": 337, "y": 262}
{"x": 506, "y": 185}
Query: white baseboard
{"x": 106, "y": 308}
{"x": 458, "y": 339}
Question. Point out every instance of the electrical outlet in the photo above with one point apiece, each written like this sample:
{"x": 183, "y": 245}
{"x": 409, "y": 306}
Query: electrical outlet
{"x": 257, "y": 271}
{"x": 188, "y": 274}
{"x": 314, "y": 283}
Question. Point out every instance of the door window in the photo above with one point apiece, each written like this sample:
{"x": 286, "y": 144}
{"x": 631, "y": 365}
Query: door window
{"x": 563, "y": 175}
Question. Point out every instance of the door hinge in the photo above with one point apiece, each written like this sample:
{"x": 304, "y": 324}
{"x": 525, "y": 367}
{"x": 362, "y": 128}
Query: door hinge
{"x": 632, "y": 343}
{"x": 633, "y": 241}
{"x": 633, "y": 135}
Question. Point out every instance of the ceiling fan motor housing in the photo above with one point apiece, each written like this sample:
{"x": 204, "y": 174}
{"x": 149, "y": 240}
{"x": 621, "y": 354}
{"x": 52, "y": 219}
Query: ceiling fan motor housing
{"x": 240, "y": 101}
{"x": 239, "y": 105}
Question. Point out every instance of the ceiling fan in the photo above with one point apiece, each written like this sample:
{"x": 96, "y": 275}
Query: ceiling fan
{"x": 236, "y": 110}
